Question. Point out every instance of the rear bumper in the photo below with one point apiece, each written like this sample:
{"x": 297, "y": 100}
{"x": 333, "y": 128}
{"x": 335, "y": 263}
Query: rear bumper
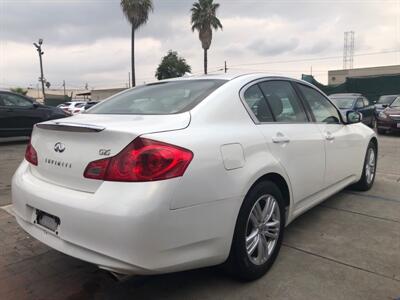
{"x": 127, "y": 228}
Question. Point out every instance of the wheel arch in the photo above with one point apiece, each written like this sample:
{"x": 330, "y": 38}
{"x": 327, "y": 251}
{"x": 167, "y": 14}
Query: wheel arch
{"x": 283, "y": 186}
{"x": 374, "y": 140}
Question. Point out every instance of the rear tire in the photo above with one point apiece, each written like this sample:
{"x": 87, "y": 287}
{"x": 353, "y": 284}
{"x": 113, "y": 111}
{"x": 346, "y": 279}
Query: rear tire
{"x": 369, "y": 170}
{"x": 257, "y": 239}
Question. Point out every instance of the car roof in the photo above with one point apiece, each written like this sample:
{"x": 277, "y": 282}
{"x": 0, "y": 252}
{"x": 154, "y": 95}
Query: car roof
{"x": 233, "y": 76}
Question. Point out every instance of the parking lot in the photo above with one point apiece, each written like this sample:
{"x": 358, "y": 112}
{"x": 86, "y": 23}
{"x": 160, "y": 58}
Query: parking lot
{"x": 346, "y": 248}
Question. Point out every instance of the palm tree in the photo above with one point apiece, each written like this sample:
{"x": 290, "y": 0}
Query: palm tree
{"x": 204, "y": 19}
{"x": 137, "y": 13}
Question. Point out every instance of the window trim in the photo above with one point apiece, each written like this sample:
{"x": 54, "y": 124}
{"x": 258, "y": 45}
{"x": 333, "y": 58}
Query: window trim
{"x": 314, "y": 120}
{"x": 262, "y": 80}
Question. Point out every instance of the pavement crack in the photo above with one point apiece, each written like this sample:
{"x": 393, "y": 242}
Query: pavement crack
{"x": 371, "y": 196}
{"x": 361, "y": 214}
{"x": 340, "y": 262}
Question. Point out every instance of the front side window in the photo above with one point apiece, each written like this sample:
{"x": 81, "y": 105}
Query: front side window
{"x": 284, "y": 103}
{"x": 14, "y": 100}
{"x": 366, "y": 101}
{"x": 161, "y": 98}
{"x": 256, "y": 102}
{"x": 323, "y": 110}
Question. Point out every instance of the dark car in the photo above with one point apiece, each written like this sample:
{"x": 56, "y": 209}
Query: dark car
{"x": 389, "y": 118}
{"x": 18, "y": 114}
{"x": 89, "y": 104}
{"x": 383, "y": 102}
{"x": 356, "y": 102}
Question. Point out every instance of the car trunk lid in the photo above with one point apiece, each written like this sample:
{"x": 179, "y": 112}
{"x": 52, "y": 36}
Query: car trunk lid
{"x": 66, "y": 146}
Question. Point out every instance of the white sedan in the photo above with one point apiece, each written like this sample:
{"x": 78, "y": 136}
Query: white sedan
{"x": 73, "y": 107}
{"x": 188, "y": 173}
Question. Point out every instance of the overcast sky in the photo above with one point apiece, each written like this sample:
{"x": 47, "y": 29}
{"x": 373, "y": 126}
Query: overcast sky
{"x": 89, "y": 40}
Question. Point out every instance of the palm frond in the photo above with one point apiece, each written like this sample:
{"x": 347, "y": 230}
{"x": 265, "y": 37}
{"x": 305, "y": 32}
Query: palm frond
{"x": 137, "y": 11}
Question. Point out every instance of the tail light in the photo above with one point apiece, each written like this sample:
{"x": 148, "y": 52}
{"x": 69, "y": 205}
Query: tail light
{"x": 31, "y": 154}
{"x": 141, "y": 160}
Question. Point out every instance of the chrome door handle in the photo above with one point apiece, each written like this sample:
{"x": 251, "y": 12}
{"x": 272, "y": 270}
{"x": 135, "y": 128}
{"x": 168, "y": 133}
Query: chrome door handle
{"x": 280, "y": 139}
{"x": 329, "y": 136}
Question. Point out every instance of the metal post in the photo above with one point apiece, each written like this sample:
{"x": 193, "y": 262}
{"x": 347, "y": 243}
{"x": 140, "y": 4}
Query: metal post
{"x": 225, "y": 67}
{"x": 129, "y": 79}
{"x": 39, "y": 50}
{"x": 64, "y": 87}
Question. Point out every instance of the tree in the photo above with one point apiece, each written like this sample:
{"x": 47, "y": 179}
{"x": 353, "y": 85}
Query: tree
{"x": 204, "y": 20}
{"x": 137, "y": 14}
{"x": 19, "y": 90}
{"x": 172, "y": 66}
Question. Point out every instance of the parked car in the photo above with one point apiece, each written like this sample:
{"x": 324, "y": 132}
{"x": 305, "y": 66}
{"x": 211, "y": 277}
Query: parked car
{"x": 79, "y": 108}
{"x": 355, "y": 102}
{"x": 187, "y": 173}
{"x": 90, "y": 104}
{"x": 383, "y": 102}
{"x": 71, "y": 106}
{"x": 19, "y": 113}
{"x": 389, "y": 118}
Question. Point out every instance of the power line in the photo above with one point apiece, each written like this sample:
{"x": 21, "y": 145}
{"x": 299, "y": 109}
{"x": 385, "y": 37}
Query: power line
{"x": 313, "y": 59}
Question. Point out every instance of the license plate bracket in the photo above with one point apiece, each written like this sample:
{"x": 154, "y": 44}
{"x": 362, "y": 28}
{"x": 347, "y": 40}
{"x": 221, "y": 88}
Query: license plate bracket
{"x": 47, "y": 220}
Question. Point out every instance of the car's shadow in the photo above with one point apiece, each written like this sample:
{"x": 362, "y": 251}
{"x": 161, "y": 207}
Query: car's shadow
{"x": 182, "y": 285}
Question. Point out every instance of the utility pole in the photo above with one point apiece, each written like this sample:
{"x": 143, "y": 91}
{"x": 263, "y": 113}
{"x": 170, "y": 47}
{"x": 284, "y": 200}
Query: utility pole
{"x": 129, "y": 79}
{"x": 39, "y": 50}
{"x": 64, "y": 87}
{"x": 225, "y": 67}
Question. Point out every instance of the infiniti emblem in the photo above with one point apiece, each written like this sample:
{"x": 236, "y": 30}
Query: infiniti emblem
{"x": 59, "y": 147}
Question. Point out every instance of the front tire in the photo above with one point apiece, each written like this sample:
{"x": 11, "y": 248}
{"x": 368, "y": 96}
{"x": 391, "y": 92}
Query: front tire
{"x": 369, "y": 170}
{"x": 258, "y": 233}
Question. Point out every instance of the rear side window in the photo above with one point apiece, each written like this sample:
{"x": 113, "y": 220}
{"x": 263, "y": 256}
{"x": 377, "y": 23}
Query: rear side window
{"x": 284, "y": 103}
{"x": 159, "y": 99}
{"x": 256, "y": 102}
{"x": 366, "y": 101}
{"x": 359, "y": 103}
{"x": 323, "y": 110}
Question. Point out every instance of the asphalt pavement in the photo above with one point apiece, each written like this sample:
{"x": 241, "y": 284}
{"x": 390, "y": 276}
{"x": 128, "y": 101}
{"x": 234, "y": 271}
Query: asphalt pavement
{"x": 348, "y": 247}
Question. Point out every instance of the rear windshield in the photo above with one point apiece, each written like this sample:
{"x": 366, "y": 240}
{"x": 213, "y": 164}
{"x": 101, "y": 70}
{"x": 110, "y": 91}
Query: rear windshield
{"x": 159, "y": 99}
{"x": 343, "y": 103}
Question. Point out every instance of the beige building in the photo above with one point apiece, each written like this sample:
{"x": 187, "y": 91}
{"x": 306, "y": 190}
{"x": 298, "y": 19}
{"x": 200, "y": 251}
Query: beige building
{"x": 97, "y": 95}
{"x": 37, "y": 93}
{"x": 339, "y": 76}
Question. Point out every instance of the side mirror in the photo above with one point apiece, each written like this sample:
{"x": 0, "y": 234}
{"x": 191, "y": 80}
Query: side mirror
{"x": 353, "y": 117}
{"x": 385, "y": 105}
{"x": 35, "y": 105}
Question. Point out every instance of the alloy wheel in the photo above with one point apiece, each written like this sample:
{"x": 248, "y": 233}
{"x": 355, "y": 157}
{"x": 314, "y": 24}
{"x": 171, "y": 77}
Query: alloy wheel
{"x": 263, "y": 229}
{"x": 370, "y": 165}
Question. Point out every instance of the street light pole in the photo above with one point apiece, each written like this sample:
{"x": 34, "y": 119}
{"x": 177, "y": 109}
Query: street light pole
{"x": 39, "y": 50}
